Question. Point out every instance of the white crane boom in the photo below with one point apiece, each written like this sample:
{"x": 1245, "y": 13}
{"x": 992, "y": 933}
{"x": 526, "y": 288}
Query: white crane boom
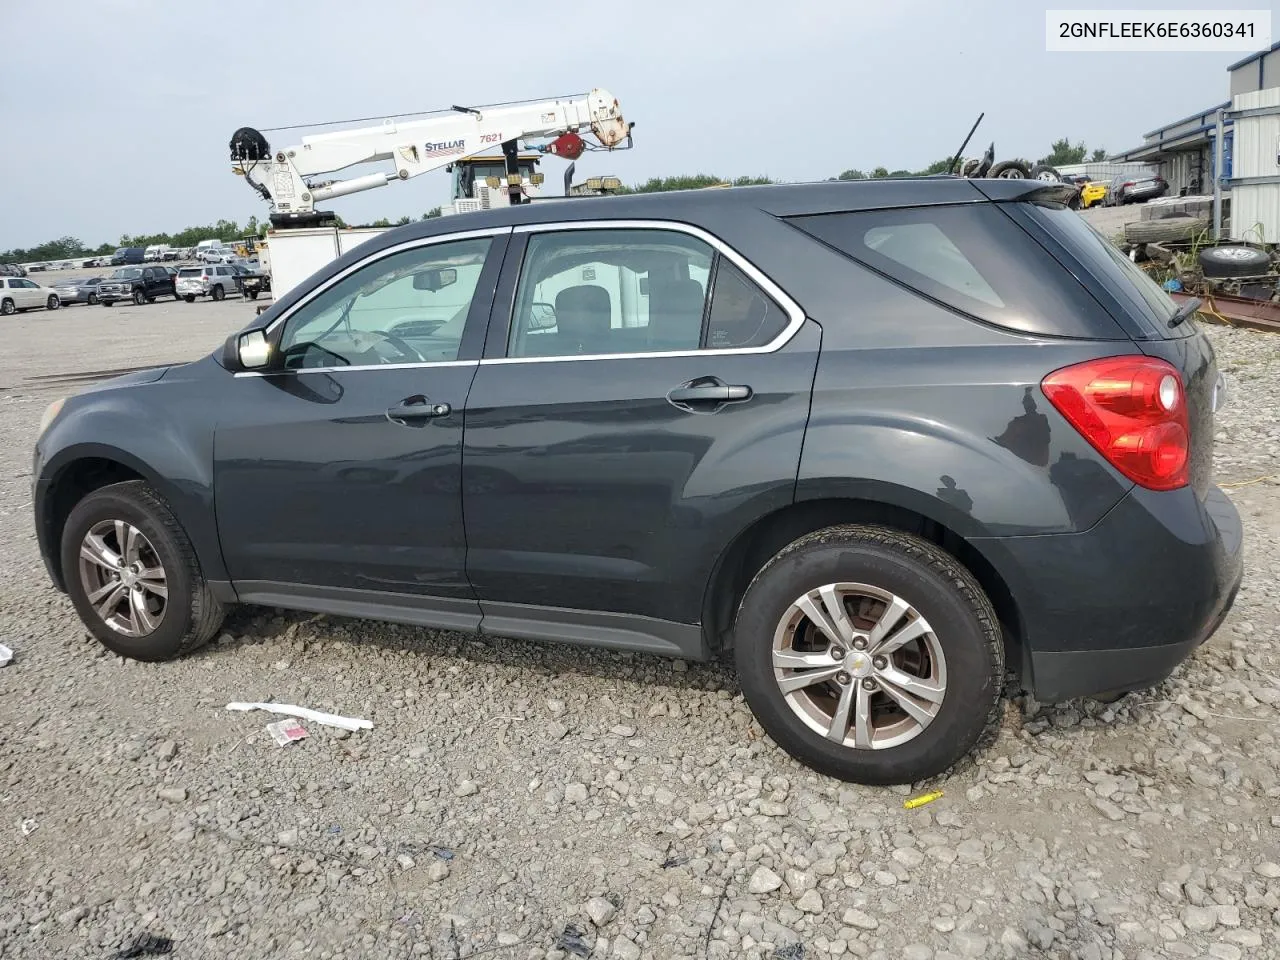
{"x": 285, "y": 177}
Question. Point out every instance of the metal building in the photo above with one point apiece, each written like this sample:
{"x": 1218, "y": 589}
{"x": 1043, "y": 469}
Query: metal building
{"x": 1255, "y": 174}
{"x": 1186, "y": 150}
{"x": 1182, "y": 150}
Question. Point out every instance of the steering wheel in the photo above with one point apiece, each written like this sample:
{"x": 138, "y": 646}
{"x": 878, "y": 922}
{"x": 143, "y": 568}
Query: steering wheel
{"x": 403, "y": 349}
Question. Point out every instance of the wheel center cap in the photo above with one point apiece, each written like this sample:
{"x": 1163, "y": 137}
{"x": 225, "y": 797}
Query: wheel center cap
{"x": 128, "y": 578}
{"x": 859, "y": 664}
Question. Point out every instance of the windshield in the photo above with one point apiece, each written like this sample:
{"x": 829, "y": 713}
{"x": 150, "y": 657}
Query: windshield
{"x": 127, "y": 273}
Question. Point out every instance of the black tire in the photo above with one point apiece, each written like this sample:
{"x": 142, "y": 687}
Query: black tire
{"x": 929, "y": 579}
{"x": 1165, "y": 229}
{"x": 139, "y": 298}
{"x": 218, "y": 293}
{"x": 108, "y": 303}
{"x": 92, "y": 300}
{"x": 7, "y": 308}
{"x": 1042, "y": 171}
{"x": 1010, "y": 170}
{"x": 53, "y": 303}
{"x": 192, "y": 614}
{"x": 1234, "y": 261}
{"x": 190, "y": 298}
{"x": 252, "y": 294}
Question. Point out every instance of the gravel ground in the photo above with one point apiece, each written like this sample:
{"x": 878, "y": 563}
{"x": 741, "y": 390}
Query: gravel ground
{"x": 523, "y": 801}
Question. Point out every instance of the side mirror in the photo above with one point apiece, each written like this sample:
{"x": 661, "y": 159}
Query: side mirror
{"x": 542, "y": 316}
{"x": 247, "y": 351}
{"x": 434, "y": 280}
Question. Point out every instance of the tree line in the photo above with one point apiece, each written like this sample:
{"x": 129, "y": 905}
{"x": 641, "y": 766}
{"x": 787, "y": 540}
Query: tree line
{"x": 71, "y": 248}
{"x": 1062, "y": 152}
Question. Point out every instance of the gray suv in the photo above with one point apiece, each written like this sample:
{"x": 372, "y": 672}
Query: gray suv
{"x": 886, "y": 444}
{"x": 214, "y": 281}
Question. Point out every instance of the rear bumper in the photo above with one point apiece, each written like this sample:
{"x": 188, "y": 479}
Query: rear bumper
{"x": 1120, "y": 606}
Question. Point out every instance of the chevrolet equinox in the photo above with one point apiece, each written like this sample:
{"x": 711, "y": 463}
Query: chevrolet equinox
{"x": 879, "y": 442}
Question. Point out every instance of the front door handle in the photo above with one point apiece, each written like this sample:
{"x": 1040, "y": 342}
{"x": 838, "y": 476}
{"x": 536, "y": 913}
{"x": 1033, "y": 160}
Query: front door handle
{"x": 708, "y": 394}
{"x": 416, "y": 410}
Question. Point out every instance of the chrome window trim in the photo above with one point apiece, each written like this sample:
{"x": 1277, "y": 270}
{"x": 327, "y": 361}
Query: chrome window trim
{"x": 362, "y": 366}
{"x": 793, "y": 309}
{"x": 371, "y": 258}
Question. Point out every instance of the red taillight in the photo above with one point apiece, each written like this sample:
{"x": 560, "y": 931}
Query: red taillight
{"x": 1127, "y": 184}
{"x": 1133, "y": 410}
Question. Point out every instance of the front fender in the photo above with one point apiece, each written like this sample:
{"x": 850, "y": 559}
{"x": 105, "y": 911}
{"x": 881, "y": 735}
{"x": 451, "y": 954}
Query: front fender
{"x": 154, "y": 431}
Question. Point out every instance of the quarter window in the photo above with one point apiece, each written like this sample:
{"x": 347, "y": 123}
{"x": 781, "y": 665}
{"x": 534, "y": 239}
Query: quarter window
{"x": 969, "y": 257}
{"x": 742, "y": 315}
{"x": 409, "y": 307}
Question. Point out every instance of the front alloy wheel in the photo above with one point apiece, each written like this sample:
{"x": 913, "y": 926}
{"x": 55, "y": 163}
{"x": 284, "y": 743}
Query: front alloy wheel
{"x": 859, "y": 665}
{"x": 123, "y": 578}
{"x": 134, "y": 577}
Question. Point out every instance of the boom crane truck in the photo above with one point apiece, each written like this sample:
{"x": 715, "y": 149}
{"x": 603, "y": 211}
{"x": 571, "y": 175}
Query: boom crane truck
{"x": 291, "y": 179}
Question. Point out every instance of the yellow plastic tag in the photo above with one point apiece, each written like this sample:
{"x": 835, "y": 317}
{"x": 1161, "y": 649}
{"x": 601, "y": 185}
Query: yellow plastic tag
{"x": 921, "y": 800}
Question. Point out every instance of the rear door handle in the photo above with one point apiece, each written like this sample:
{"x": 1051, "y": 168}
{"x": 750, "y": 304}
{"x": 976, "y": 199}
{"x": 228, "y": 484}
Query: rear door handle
{"x": 416, "y": 410}
{"x": 713, "y": 393}
{"x": 708, "y": 394}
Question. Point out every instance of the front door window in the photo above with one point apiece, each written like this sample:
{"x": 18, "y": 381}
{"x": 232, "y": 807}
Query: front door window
{"x": 409, "y": 307}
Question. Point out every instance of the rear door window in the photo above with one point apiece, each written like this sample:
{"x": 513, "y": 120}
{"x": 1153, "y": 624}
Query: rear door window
{"x": 971, "y": 258}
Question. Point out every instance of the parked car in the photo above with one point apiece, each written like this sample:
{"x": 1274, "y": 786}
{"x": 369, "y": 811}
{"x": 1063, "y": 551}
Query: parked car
{"x": 18, "y": 294}
{"x": 1093, "y": 193}
{"x": 874, "y": 441}
{"x": 139, "y": 284}
{"x": 254, "y": 282}
{"x": 1135, "y": 190}
{"x": 211, "y": 280}
{"x": 78, "y": 290}
{"x": 12, "y": 270}
{"x": 127, "y": 255}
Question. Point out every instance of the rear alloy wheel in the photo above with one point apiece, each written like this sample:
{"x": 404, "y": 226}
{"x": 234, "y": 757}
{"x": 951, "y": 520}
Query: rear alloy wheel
{"x": 139, "y": 297}
{"x": 133, "y": 575}
{"x": 870, "y": 655}
{"x": 53, "y": 303}
{"x": 93, "y": 299}
{"x": 6, "y": 307}
{"x": 219, "y": 293}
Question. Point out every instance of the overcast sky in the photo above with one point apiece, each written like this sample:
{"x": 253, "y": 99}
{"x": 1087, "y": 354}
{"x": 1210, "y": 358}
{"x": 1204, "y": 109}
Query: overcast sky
{"x": 117, "y": 113}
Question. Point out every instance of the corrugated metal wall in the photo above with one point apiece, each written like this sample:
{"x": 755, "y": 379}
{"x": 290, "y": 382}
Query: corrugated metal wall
{"x": 1255, "y": 210}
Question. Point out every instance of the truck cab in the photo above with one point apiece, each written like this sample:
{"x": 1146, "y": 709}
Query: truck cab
{"x": 480, "y": 183}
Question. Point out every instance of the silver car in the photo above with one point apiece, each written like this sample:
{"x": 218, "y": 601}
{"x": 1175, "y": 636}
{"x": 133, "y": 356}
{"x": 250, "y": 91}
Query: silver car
{"x": 211, "y": 280}
{"x": 78, "y": 290}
